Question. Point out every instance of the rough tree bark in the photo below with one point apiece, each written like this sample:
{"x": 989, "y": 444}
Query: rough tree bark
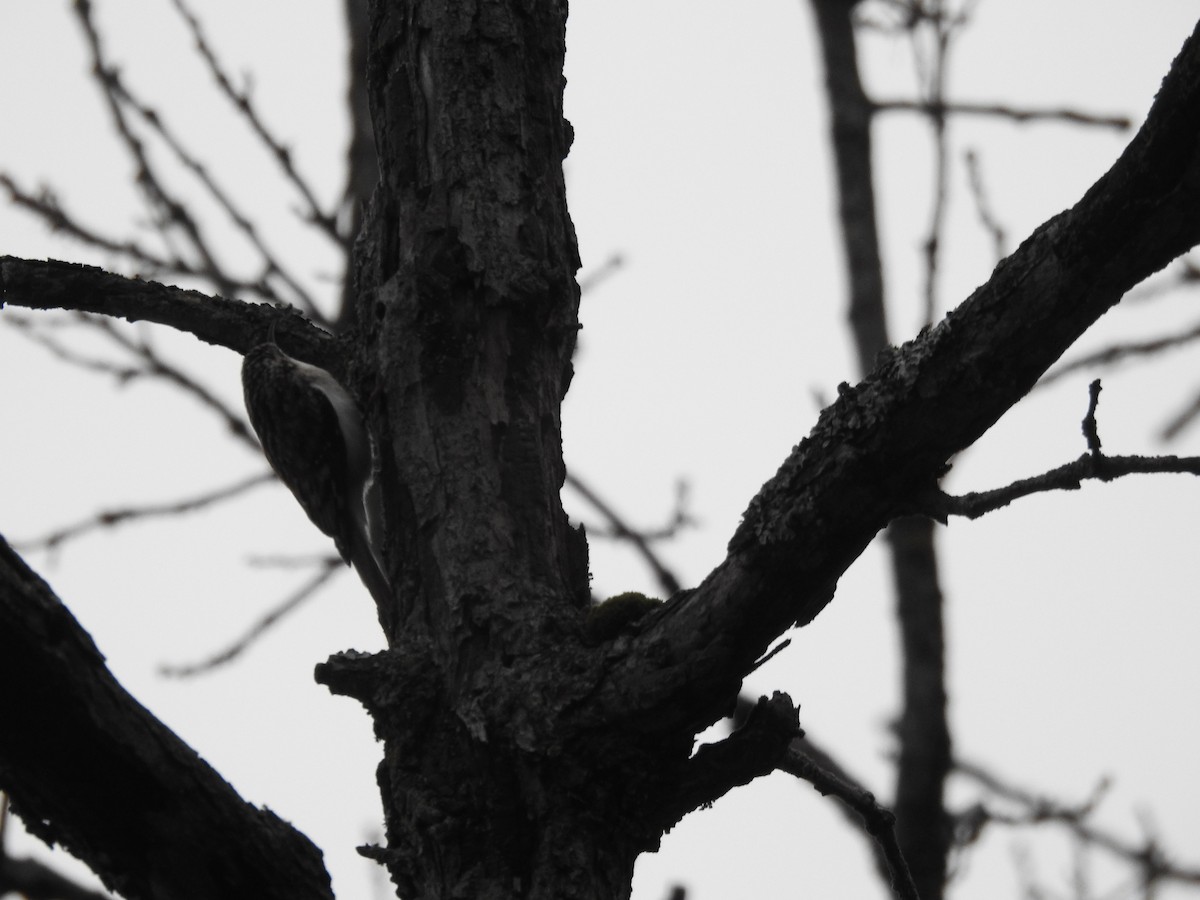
{"x": 522, "y": 757}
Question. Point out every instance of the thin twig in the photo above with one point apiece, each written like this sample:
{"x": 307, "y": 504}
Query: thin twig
{"x": 111, "y": 518}
{"x": 1116, "y": 353}
{"x": 944, "y": 29}
{"x": 169, "y": 210}
{"x": 639, "y": 539}
{"x": 983, "y": 206}
{"x": 332, "y": 565}
{"x": 156, "y": 366}
{"x": 36, "y": 331}
{"x": 1180, "y": 421}
{"x": 1090, "y": 428}
{"x": 46, "y": 206}
{"x": 601, "y": 273}
{"x": 1149, "y": 856}
{"x": 1068, "y": 477}
{"x": 878, "y": 821}
{"x": 1000, "y": 110}
{"x": 1093, "y": 465}
{"x": 326, "y": 222}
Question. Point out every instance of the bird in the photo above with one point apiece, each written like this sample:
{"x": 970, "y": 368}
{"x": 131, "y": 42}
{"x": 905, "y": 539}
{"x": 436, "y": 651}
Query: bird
{"x": 314, "y": 436}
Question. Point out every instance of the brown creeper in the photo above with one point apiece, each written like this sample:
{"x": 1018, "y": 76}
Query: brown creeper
{"x": 314, "y": 437}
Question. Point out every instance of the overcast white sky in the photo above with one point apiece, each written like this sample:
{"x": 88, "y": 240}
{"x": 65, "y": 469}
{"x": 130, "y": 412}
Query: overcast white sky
{"x": 701, "y": 157}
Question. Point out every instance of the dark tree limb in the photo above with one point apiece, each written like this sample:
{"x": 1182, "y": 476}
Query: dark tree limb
{"x": 886, "y": 442}
{"x": 50, "y": 284}
{"x": 756, "y": 749}
{"x": 89, "y": 768}
{"x": 32, "y": 880}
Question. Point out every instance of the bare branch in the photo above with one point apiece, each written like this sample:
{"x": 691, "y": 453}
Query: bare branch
{"x": 1153, "y": 862}
{"x": 37, "y": 331}
{"x": 1093, "y": 465}
{"x": 45, "y": 205}
{"x": 1091, "y": 431}
{"x": 754, "y": 750}
{"x": 272, "y": 266}
{"x": 50, "y": 284}
{"x": 32, "y": 880}
{"x": 596, "y": 276}
{"x": 1068, "y": 477}
{"x": 170, "y": 211}
{"x": 1119, "y": 352}
{"x": 639, "y": 539}
{"x": 878, "y": 821}
{"x": 112, "y": 518}
{"x": 1181, "y": 420}
{"x": 331, "y": 565}
{"x": 119, "y": 94}
{"x": 1000, "y": 110}
{"x": 157, "y": 367}
{"x": 983, "y": 206}
{"x": 217, "y": 844}
{"x": 325, "y": 222}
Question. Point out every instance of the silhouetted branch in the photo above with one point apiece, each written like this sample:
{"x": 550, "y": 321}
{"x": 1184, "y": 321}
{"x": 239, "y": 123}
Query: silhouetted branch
{"x": 89, "y": 768}
{"x": 170, "y": 211}
{"x": 597, "y": 275}
{"x": 1000, "y": 110}
{"x": 618, "y": 528}
{"x": 755, "y": 749}
{"x": 877, "y": 820}
{"x": 152, "y": 364}
{"x": 1180, "y": 421}
{"x": 51, "y": 284}
{"x": 983, "y": 206}
{"x": 45, "y": 206}
{"x": 31, "y": 879}
{"x": 1033, "y": 809}
{"x": 331, "y": 566}
{"x": 155, "y": 366}
{"x": 1126, "y": 350}
{"x": 1069, "y": 477}
{"x": 1091, "y": 466}
{"x": 112, "y": 518}
{"x": 120, "y": 94}
{"x": 931, "y": 73}
{"x": 241, "y": 101}
{"x": 37, "y": 330}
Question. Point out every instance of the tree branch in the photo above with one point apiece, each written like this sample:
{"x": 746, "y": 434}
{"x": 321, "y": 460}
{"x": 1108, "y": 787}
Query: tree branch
{"x": 1155, "y": 863}
{"x": 90, "y": 768}
{"x": 640, "y": 540}
{"x": 325, "y": 222}
{"x": 50, "y": 284}
{"x": 111, "y": 518}
{"x": 330, "y": 567}
{"x": 878, "y": 821}
{"x": 999, "y": 110}
{"x": 885, "y": 442}
{"x": 754, "y": 750}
